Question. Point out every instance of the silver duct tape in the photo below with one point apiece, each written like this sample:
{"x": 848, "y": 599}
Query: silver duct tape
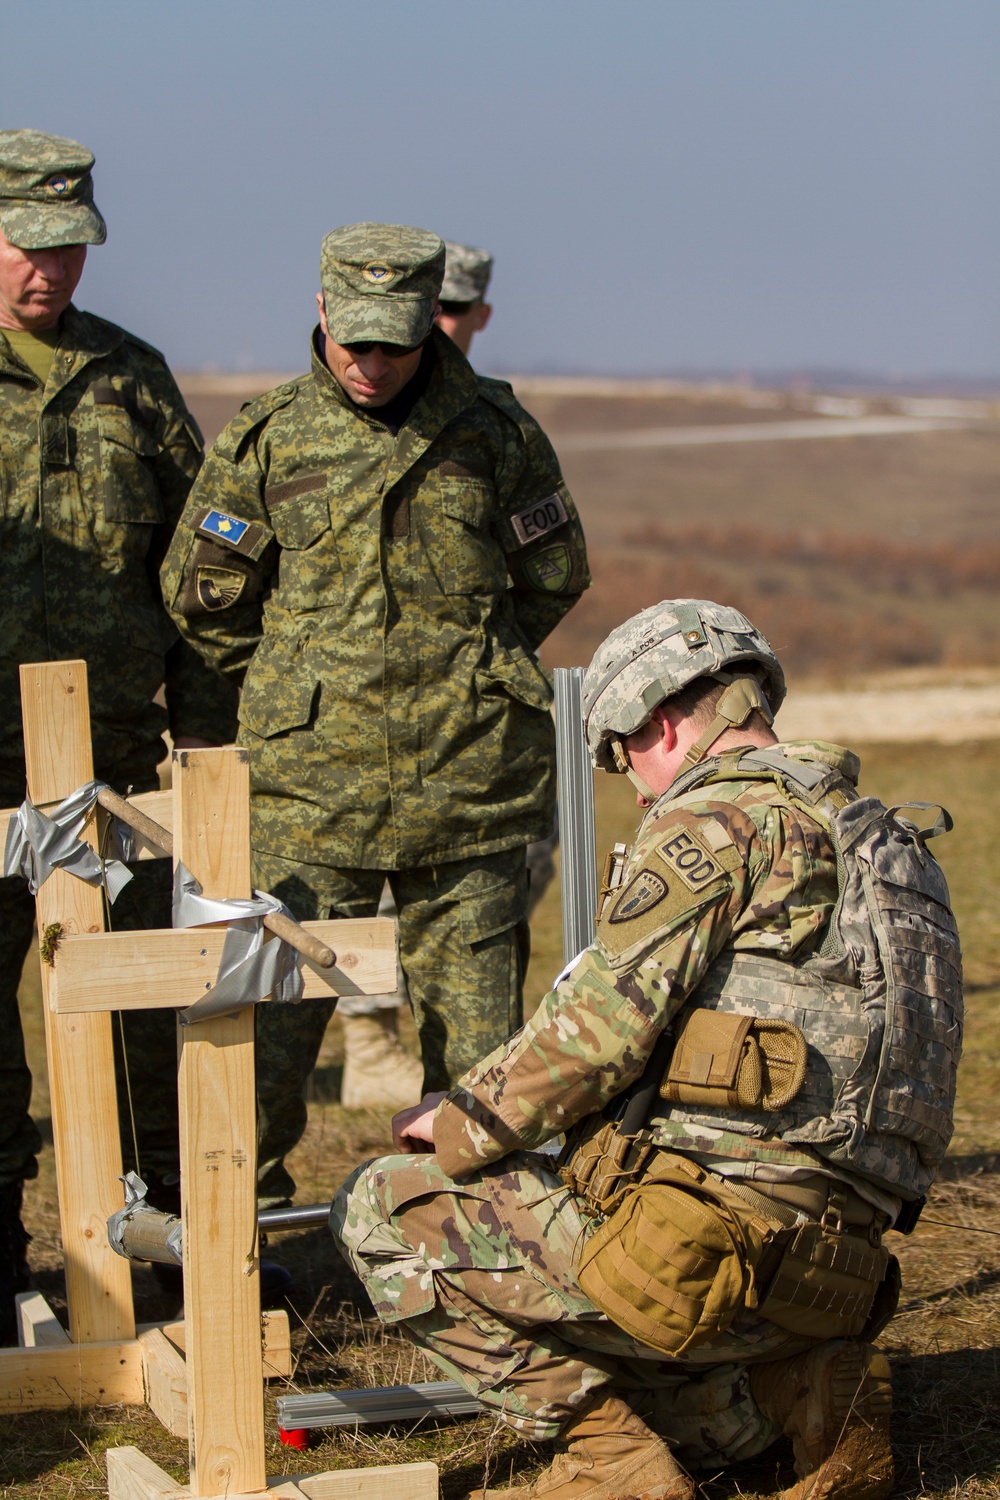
{"x": 578, "y": 852}
{"x": 141, "y": 1232}
{"x": 38, "y": 843}
{"x": 249, "y": 968}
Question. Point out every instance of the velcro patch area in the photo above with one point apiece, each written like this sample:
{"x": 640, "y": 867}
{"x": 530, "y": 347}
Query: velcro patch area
{"x": 248, "y": 538}
{"x": 538, "y": 519}
{"x": 688, "y": 856}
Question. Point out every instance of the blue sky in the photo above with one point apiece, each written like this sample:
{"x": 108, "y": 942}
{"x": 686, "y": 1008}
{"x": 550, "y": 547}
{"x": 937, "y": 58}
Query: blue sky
{"x": 740, "y": 185}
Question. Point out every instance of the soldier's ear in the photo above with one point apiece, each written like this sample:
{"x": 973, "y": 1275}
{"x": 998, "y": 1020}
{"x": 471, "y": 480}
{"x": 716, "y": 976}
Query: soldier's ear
{"x": 322, "y": 313}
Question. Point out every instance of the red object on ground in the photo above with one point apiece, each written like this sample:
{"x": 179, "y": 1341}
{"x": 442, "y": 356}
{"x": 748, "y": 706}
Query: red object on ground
{"x": 294, "y": 1437}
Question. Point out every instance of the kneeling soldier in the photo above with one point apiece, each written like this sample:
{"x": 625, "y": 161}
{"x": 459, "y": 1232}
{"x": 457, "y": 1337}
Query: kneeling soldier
{"x": 755, "y": 1064}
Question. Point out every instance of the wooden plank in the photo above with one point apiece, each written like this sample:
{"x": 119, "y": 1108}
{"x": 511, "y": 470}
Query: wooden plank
{"x": 80, "y": 1056}
{"x": 165, "y": 1375}
{"x": 133, "y": 1476}
{"x": 37, "y": 1324}
{"x": 52, "y": 1379}
{"x": 158, "y": 806}
{"x": 276, "y": 1334}
{"x": 155, "y": 970}
{"x": 218, "y": 1131}
{"x": 401, "y": 1481}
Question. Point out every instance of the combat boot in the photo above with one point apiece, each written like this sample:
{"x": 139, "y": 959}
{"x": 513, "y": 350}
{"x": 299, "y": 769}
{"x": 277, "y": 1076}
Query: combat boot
{"x": 378, "y": 1071}
{"x": 14, "y": 1273}
{"x": 610, "y": 1454}
{"x": 834, "y": 1403}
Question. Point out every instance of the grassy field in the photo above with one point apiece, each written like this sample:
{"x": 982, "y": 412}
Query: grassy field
{"x": 942, "y": 1344}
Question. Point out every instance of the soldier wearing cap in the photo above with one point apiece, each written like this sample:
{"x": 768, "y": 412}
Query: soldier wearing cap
{"x": 464, "y": 311}
{"x": 702, "y": 1268}
{"x": 376, "y": 550}
{"x": 98, "y": 455}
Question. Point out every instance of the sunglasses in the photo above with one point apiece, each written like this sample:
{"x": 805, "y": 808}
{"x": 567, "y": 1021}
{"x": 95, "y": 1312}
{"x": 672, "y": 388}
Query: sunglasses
{"x": 391, "y": 351}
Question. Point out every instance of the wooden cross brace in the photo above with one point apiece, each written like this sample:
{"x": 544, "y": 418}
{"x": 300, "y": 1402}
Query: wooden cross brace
{"x": 92, "y": 973}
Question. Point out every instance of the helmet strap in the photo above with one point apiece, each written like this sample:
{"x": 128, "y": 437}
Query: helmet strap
{"x": 742, "y": 698}
{"x": 622, "y": 764}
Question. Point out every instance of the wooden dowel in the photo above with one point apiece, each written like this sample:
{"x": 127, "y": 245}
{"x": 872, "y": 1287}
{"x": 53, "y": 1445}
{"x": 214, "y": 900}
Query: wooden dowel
{"x": 153, "y": 833}
{"x": 310, "y": 947}
{"x": 284, "y": 927}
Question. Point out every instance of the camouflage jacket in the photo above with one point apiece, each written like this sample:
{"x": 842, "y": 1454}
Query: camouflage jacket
{"x": 384, "y": 596}
{"x": 94, "y": 472}
{"x": 732, "y": 865}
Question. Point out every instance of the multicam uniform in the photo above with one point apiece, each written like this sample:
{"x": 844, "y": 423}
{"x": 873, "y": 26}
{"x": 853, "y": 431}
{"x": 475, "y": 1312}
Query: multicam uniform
{"x": 477, "y": 1248}
{"x": 384, "y": 595}
{"x": 94, "y": 470}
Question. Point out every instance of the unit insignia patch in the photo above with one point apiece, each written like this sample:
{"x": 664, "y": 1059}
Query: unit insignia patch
{"x": 219, "y": 588}
{"x": 643, "y": 892}
{"x": 549, "y": 570}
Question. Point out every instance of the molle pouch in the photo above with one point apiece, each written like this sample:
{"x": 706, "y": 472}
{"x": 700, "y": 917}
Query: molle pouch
{"x": 669, "y": 1267}
{"x": 825, "y": 1284}
{"x": 600, "y": 1165}
{"x": 746, "y": 1062}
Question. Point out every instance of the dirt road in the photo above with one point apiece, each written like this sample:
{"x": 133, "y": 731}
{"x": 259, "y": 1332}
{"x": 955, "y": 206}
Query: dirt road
{"x": 880, "y": 711}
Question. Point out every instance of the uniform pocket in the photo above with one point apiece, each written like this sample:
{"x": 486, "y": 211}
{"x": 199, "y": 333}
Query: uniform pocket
{"x": 485, "y": 914}
{"x": 471, "y": 559}
{"x": 280, "y": 690}
{"x": 299, "y": 523}
{"x": 131, "y": 493}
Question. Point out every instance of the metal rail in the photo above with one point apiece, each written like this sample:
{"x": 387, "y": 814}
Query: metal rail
{"x": 578, "y": 844}
{"x": 393, "y": 1403}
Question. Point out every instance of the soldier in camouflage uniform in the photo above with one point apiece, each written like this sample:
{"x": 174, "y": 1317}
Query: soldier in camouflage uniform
{"x": 464, "y": 311}
{"x": 379, "y": 548}
{"x": 480, "y": 1251}
{"x": 97, "y": 454}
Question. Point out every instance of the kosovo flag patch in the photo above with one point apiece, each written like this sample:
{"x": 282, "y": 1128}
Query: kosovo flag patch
{"x": 229, "y": 528}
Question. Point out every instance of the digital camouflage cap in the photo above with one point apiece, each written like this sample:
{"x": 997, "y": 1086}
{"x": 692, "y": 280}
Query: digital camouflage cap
{"x": 657, "y": 653}
{"x": 467, "y": 273}
{"x": 381, "y": 282}
{"x": 46, "y": 191}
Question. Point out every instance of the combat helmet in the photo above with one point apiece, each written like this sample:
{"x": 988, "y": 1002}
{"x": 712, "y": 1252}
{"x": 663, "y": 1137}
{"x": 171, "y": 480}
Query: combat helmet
{"x": 656, "y": 653}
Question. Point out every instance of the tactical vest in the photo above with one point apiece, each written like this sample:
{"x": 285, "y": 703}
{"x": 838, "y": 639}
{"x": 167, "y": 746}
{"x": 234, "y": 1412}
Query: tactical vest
{"x": 879, "y": 1002}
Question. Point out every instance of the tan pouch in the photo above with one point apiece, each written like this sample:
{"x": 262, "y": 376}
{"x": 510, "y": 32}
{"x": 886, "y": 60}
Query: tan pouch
{"x": 745, "y": 1062}
{"x": 668, "y": 1267}
{"x": 825, "y": 1284}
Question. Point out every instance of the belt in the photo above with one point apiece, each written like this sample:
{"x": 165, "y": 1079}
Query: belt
{"x": 837, "y": 1207}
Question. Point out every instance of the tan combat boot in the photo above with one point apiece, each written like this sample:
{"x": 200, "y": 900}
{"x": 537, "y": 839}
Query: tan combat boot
{"x": 378, "y": 1071}
{"x": 611, "y": 1454}
{"x": 834, "y": 1403}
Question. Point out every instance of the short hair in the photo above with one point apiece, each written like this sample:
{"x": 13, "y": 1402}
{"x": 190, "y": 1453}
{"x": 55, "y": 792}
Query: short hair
{"x": 699, "y": 700}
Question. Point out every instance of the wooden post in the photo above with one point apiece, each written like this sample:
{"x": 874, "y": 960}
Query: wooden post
{"x": 219, "y": 1157}
{"x": 80, "y": 1054}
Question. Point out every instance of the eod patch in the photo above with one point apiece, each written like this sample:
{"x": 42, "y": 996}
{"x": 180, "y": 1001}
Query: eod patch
{"x": 685, "y": 854}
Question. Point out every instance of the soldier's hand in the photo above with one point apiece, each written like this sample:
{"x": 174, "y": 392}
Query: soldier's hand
{"x": 413, "y": 1128}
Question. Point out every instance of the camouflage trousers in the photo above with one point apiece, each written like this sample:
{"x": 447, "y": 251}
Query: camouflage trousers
{"x": 481, "y": 1274}
{"x": 145, "y": 1041}
{"x": 463, "y": 949}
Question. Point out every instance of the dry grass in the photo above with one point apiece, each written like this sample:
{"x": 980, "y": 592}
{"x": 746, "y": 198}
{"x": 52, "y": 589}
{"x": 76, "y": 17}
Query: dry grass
{"x": 943, "y": 1344}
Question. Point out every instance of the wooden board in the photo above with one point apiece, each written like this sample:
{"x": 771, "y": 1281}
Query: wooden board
{"x": 165, "y": 1376}
{"x": 157, "y": 805}
{"x": 133, "y": 1476}
{"x": 80, "y": 1056}
{"x": 276, "y": 1334}
{"x": 37, "y": 1324}
{"x": 218, "y": 1129}
{"x": 154, "y": 970}
{"x": 53, "y": 1379}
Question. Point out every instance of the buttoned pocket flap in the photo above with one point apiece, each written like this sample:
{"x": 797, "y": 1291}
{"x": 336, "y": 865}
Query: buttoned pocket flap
{"x": 279, "y": 693}
{"x": 116, "y": 426}
{"x": 489, "y": 912}
{"x": 301, "y": 522}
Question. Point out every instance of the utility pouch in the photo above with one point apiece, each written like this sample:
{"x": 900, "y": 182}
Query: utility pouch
{"x": 600, "y": 1165}
{"x": 746, "y": 1062}
{"x": 825, "y": 1284}
{"x": 671, "y": 1266}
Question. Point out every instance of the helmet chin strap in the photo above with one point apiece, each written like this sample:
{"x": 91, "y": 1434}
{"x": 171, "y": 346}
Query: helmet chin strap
{"x": 622, "y": 764}
{"x": 742, "y": 697}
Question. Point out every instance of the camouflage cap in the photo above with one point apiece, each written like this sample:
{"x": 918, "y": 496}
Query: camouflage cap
{"x": 381, "y": 281}
{"x": 46, "y": 191}
{"x": 657, "y": 653}
{"x": 466, "y": 273}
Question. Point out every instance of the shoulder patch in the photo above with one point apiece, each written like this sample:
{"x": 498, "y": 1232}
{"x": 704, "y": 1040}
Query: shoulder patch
{"x": 248, "y": 538}
{"x": 219, "y": 588}
{"x": 687, "y": 855}
{"x": 643, "y": 892}
{"x": 539, "y": 518}
{"x": 550, "y": 570}
{"x": 251, "y": 416}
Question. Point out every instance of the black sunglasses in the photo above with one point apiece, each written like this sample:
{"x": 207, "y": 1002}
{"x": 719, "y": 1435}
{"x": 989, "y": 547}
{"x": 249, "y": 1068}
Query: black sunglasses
{"x": 391, "y": 351}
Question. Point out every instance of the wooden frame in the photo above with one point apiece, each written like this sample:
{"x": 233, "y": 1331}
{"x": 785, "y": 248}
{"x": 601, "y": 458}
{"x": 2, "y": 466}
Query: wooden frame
{"x": 204, "y": 1376}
